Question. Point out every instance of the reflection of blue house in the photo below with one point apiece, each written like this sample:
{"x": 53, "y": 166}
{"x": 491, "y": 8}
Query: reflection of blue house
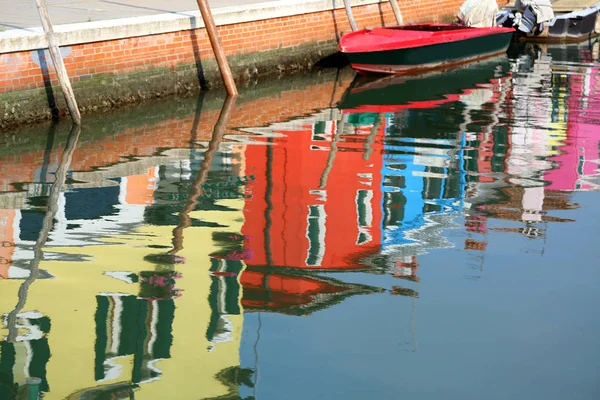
{"x": 420, "y": 177}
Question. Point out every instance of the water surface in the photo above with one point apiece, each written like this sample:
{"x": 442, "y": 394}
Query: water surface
{"x": 326, "y": 236}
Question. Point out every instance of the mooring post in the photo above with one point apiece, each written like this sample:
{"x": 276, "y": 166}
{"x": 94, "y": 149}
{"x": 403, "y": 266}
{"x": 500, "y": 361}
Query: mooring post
{"x": 397, "y": 12}
{"x": 33, "y": 388}
{"x": 350, "y": 16}
{"x": 59, "y": 65}
{"x": 213, "y": 35}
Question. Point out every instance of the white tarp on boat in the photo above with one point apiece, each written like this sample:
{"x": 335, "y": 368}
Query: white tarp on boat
{"x": 541, "y": 8}
{"x": 478, "y": 13}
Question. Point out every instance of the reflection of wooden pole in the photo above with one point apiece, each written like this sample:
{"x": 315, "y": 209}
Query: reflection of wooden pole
{"x": 38, "y": 253}
{"x": 197, "y": 189}
{"x": 349, "y": 14}
{"x": 397, "y": 12}
{"x": 59, "y": 65}
{"x": 331, "y": 158}
{"x": 213, "y": 35}
{"x": 371, "y": 138}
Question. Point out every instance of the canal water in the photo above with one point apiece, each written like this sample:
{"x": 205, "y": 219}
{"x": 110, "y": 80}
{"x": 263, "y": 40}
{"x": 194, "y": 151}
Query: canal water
{"x": 320, "y": 237}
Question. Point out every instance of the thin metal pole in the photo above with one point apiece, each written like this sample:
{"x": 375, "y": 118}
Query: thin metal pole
{"x": 397, "y": 13}
{"x": 349, "y": 13}
{"x": 213, "y": 35}
{"x": 59, "y": 65}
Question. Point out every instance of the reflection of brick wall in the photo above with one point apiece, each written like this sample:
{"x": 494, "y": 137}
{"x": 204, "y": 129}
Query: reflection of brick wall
{"x": 146, "y": 140}
{"x": 20, "y": 70}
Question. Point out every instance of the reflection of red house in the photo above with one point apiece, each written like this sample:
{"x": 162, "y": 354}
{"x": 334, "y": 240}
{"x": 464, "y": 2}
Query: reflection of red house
{"x": 314, "y": 204}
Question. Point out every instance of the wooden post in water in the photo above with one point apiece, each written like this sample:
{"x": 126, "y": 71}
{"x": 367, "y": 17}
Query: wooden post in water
{"x": 59, "y": 65}
{"x": 213, "y": 35}
{"x": 397, "y": 13}
{"x": 349, "y": 13}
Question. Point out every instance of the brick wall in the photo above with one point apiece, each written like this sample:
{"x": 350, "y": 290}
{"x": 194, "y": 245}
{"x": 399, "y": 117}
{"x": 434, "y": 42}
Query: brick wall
{"x": 30, "y": 69}
{"x": 148, "y": 139}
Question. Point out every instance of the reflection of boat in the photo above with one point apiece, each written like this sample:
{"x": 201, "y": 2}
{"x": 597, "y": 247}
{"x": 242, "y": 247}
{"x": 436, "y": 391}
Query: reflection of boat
{"x": 410, "y": 48}
{"x": 395, "y": 93}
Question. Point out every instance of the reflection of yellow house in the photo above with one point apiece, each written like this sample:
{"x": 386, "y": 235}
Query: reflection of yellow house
{"x": 72, "y": 301}
{"x": 558, "y": 124}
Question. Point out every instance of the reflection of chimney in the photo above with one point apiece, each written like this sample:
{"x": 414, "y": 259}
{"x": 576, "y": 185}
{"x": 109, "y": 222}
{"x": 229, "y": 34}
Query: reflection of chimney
{"x": 7, "y": 241}
{"x": 139, "y": 189}
{"x": 533, "y": 202}
{"x": 476, "y": 223}
{"x": 476, "y": 245}
{"x": 406, "y": 268}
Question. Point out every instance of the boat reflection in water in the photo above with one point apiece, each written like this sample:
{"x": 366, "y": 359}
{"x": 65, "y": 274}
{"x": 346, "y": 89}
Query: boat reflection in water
{"x": 161, "y": 268}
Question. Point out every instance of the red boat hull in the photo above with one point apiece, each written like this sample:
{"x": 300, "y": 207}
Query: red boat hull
{"x": 417, "y": 48}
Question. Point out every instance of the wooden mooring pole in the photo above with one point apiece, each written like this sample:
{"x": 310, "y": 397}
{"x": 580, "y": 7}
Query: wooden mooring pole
{"x": 349, "y": 14}
{"x": 397, "y": 13}
{"x": 59, "y": 65}
{"x": 213, "y": 35}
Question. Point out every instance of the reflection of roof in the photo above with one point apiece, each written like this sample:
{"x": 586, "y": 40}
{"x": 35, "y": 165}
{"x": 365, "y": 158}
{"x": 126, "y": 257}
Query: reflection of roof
{"x": 295, "y": 294}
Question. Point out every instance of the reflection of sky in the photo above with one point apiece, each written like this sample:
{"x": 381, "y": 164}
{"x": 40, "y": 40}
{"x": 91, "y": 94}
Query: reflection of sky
{"x": 526, "y": 330}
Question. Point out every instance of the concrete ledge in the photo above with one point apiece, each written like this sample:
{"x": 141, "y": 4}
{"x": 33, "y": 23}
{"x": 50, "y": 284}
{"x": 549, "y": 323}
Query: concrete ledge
{"x": 70, "y": 34}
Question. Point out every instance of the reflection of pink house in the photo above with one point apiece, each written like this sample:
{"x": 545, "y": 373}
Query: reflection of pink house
{"x": 579, "y": 156}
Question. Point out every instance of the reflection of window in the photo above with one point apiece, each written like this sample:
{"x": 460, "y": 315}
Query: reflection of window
{"x": 91, "y": 203}
{"x": 323, "y": 130}
{"x": 315, "y": 232}
{"x": 30, "y": 225}
{"x": 394, "y": 204}
{"x": 126, "y": 325}
{"x": 364, "y": 213}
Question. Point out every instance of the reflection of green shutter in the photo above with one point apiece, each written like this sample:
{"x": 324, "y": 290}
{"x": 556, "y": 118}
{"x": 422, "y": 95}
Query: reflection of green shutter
{"x": 138, "y": 336}
{"x": 361, "y": 206}
{"x": 224, "y": 293}
{"x": 319, "y": 127}
{"x": 231, "y": 297}
{"x": 39, "y": 359}
{"x": 101, "y": 336}
{"x": 7, "y": 362}
{"x": 129, "y": 324}
{"x": 164, "y": 328}
{"x": 362, "y": 119}
{"x": 394, "y": 204}
{"x": 134, "y": 321}
{"x": 213, "y": 296}
{"x": 313, "y": 235}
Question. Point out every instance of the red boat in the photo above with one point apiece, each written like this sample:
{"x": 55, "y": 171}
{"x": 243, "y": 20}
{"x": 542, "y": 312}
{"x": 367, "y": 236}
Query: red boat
{"x": 416, "y": 48}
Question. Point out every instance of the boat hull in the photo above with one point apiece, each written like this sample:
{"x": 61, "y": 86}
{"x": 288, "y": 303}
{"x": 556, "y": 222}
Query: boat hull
{"x": 435, "y": 56}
